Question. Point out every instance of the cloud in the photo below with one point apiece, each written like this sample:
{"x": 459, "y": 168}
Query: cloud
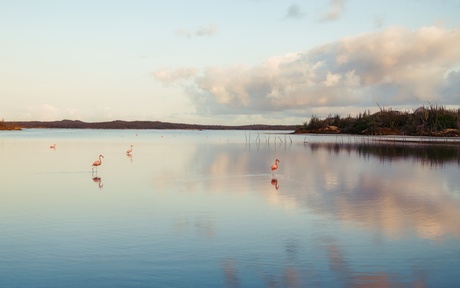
{"x": 48, "y": 112}
{"x": 336, "y": 8}
{"x": 168, "y": 77}
{"x": 379, "y": 21}
{"x": 202, "y": 31}
{"x": 294, "y": 12}
{"x": 183, "y": 33}
{"x": 206, "y": 31}
{"x": 45, "y": 112}
{"x": 452, "y": 87}
{"x": 393, "y": 67}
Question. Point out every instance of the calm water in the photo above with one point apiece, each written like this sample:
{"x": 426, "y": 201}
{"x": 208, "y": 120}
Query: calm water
{"x": 203, "y": 209}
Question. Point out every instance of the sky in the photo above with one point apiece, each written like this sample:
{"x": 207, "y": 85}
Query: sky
{"x": 225, "y": 62}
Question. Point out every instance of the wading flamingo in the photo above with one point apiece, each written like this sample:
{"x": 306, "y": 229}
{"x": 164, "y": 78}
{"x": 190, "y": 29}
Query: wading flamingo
{"x": 129, "y": 150}
{"x": 98, "y": 162}
{"x": 275, "y": 166}
{"x": 53, "y": 146}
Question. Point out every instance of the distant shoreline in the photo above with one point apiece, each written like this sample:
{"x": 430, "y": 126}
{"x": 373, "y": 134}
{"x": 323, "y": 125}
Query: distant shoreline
{"x": 119, "y": 124}
{"x": 158, "y": 125}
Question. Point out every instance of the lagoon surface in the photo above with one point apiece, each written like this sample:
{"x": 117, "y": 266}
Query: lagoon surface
{"x": 203, "y": 209}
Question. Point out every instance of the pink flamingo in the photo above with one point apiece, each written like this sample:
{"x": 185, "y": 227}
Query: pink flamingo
{"x": 53, "y": 146}
{"x": 98, "y": 162}
{"x": 130, "y": 150}
{"x": 275, "y": 166}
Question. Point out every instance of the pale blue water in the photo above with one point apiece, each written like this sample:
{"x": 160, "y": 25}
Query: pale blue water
{"x": 203, "y": 209}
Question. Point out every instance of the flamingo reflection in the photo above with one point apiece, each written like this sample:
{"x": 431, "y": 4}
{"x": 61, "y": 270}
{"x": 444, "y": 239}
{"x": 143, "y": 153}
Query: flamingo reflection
{"x": 130, "y": 156}
{"x": 98, "y": 180}
{"x": 275, "y": 183}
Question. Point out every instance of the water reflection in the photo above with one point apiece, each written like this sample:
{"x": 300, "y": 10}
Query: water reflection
{"x": 347, "y": 277}
{"x": 130, "y": 157}
{"x": 97, "y": 180}
{"x": 231, "y": 273}
{"x": 202, "y": 225}
{"x": 344, "y": 215}
{"x": 274, "y": 182}
{"x": 394, "y": 198}
{"x": 426, "y": 154}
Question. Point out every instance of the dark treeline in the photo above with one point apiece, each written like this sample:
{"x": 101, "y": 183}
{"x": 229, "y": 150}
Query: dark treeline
{"x": 8, "y": 126}
{"x": 118, "y": 124}
{"x": 431, "y": 121}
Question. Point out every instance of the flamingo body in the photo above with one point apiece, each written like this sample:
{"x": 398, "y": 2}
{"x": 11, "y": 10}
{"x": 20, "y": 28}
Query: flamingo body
{"x": 129, "y": 150}
{"x": 98, "y": 162}
{"x": 53, "y": 146}
{"x": 275, "y": 166}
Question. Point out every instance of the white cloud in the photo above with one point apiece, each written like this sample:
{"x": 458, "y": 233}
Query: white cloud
{"x": 202, "y": 31}
{"x": 206, "y": 31}
{"x": 44, "y": 112}
{"x": 181, "y": 32}
{"x": 47, "y": 112}
{"x": 336, "y": 8}
{"x": 332, "y": 80}
{"x": 393, "y": 67}
{"x": 168, "y": 77}
{"x": 452, "y": 87}
{"x": 379, "y": 21}
{"x": 294, "y": 12}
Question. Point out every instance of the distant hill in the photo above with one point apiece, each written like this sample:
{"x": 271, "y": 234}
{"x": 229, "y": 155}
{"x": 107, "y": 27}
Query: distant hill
{"x": 119, "y": 124}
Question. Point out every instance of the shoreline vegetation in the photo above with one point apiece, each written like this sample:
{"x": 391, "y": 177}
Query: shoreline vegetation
{"x": 434, "y": 121}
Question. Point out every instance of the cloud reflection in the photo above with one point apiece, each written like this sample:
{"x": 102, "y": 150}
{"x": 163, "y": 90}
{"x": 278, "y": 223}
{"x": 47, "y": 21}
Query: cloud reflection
{"x": 231, "y": 273}
{"x": 203, "y": 225}
{"x": 388, "y": 191}
{"x": 391, "y": 189}
{"x": 347, "y": 277}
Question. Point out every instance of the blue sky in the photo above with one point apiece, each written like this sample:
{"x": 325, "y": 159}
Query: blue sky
{"x": 225, "y": 61}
